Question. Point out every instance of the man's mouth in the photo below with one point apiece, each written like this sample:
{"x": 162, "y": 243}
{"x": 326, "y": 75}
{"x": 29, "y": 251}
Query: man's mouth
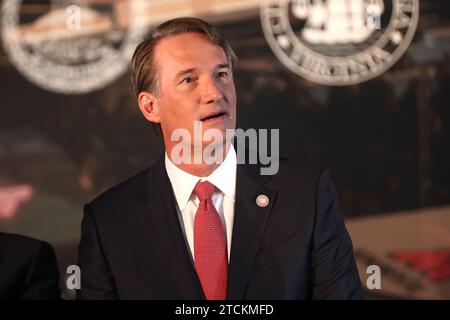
{"x": 215, "y": 116}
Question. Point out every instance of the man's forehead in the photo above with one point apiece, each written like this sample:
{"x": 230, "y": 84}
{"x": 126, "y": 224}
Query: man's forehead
{"x": 187, "y": 47}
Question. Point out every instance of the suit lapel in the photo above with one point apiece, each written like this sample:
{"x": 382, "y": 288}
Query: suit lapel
{"x": 159, "y": 218}
{"x": 248, "y": 227}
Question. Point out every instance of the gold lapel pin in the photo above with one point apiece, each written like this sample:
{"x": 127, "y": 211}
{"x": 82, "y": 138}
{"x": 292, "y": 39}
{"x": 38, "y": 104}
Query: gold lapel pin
{"x": 262, "y": 200}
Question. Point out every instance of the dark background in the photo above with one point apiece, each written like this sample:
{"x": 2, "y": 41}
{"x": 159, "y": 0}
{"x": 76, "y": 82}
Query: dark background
{"x": 386, "y": 141}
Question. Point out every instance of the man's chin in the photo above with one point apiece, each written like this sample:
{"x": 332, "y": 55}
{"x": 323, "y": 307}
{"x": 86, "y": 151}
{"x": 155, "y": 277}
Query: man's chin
{"x": 222, "y": 126}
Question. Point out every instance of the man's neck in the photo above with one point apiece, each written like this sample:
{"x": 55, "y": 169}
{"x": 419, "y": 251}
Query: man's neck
{"x": 199, "y": 169}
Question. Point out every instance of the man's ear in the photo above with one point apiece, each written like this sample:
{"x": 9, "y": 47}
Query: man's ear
{"x": 149, "y": 106}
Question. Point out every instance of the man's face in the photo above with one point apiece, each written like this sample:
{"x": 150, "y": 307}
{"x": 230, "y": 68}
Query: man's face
{"x": 196, "y": 84}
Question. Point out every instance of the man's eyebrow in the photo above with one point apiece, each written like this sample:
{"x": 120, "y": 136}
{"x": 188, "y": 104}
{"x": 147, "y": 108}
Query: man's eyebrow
{"x": 222, "y": 66}
{"x": 190, "y": 70}
{"x": 183, "y": 72}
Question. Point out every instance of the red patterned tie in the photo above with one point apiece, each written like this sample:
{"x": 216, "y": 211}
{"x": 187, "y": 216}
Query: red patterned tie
{"x": 210, "y": 245}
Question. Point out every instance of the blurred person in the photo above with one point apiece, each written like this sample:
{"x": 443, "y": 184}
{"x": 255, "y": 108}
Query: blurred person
{"x": 196, "y": 230}
{"x": 28, "y": 269}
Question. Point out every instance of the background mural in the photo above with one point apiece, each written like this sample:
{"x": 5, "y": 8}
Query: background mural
{"x": 70, "y": 127}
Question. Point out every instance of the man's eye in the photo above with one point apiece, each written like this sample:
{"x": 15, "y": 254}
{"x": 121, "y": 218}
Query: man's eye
{"x": 223, "y": 74}
{"x": 187, "y": 80}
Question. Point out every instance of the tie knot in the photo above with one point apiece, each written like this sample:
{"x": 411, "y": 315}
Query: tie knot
{"x": 204, "y": 190}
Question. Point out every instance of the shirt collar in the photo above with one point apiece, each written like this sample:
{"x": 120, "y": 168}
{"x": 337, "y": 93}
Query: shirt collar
{"x": 183, "y": 183}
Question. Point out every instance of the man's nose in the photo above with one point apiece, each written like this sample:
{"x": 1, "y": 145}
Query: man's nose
{"x": 211, "y": 91}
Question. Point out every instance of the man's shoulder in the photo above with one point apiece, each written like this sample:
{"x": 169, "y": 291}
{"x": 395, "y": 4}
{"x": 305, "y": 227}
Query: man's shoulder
{"x": 127, "y": 190}
{"x": 294, "y": 170}
{"x": 28, "y": 247}
{"x": 18, "y": 242}
{"x": 121, "y": 193}
{"x": 286, "y": 167}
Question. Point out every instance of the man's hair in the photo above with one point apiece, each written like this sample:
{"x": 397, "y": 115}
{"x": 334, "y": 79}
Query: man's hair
{"x": 143, "y": 68}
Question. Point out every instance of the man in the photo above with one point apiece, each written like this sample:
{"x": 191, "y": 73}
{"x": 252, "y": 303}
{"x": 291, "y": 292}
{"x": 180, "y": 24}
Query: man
{"x": 206, "y": 230}
{"x": 28, "y": 269}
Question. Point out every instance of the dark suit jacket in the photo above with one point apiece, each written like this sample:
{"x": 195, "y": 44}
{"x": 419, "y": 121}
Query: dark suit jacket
{"x": 297, "y": 247}
{"x": 28, "y": 269}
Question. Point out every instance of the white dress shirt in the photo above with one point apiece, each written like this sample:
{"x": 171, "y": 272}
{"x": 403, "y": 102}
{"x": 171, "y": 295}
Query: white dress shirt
{"x": 183, "y": 183}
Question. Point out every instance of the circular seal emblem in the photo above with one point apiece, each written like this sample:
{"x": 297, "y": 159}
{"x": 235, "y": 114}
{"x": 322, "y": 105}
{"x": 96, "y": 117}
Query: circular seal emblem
{"x": 68, "y": 48}
{"x": 339, "y": 42}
